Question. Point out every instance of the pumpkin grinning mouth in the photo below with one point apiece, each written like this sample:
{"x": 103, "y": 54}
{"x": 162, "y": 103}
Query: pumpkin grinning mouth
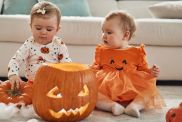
{"x": 69, "y": 112}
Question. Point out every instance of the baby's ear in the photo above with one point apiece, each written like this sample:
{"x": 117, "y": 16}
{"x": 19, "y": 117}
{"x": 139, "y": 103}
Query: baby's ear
{"x": 30, "y": 24}
{"x": 126, "y": 35}
{"x": 59, "y": 28}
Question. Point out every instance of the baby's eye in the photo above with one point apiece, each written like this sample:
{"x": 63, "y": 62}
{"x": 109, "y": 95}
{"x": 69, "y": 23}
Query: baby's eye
{"x": 109, "y": 32}
{"x": 38, "y": 28}
{"x": 49, "y": 29}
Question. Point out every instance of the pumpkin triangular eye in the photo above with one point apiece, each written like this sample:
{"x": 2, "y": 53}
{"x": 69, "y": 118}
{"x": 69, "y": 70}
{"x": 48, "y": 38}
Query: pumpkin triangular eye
{"x": 84, "y": 92}
{"x": 112, "y": 61}
{"x": 54, "y": 93}
{"x": 124, "y": 61}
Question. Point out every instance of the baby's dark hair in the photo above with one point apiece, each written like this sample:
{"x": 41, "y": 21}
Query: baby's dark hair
{"x": 126, "y": 20}
{"x": 45, "y": 9}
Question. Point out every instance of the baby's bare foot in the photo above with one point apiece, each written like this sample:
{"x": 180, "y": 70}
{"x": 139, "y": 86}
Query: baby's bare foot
{"x": 117, "y": 109}
{"x": 133, "y": 109}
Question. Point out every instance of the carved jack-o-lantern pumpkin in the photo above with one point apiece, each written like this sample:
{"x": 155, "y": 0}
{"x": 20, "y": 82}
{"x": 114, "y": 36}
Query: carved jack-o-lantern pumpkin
{"x": 174, "y": 114}
{"x": 64, "y": 92}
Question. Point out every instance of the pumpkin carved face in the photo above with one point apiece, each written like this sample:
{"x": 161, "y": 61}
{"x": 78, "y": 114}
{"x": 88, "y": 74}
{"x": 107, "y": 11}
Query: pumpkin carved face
{"x": 174, "y": 114}
{"x": 64, "y": 92}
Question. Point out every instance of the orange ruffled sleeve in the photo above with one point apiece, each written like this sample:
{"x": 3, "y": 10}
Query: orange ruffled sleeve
{"x": 143, "y": 65}
{"x": 96, "y": 64}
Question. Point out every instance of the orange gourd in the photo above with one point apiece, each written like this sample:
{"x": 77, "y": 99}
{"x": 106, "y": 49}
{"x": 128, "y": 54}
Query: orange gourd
{"x": 174, "y": 114}
{"x": 64, "y": 92}
{"x": 21, "y": 95}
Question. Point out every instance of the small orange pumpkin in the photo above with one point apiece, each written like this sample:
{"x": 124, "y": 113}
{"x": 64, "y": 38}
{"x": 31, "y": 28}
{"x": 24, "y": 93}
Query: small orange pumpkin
{"x": 44, "y": 50}
{"x": 64, "y": 92}
{"x": 23, "y": 94}
{"x": 174, "y": 114}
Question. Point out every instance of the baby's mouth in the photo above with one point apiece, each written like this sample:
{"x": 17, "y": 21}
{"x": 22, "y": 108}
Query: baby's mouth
{"x": 43, "y": 37}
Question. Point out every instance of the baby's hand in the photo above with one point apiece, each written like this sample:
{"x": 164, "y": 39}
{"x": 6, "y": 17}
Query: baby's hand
{"x": 155, "y": 70}
{"x": 15, "y": 79}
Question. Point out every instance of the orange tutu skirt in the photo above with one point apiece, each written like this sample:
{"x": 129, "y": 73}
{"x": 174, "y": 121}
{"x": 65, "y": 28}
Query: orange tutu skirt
{"x": 127, "y": 86}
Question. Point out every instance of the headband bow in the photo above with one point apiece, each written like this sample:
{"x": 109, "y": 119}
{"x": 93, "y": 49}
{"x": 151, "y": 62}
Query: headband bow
{"x": 42, "y": 11}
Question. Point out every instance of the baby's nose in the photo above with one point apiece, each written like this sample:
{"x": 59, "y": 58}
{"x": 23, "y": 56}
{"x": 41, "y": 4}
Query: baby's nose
{"x": 44, "y": 31}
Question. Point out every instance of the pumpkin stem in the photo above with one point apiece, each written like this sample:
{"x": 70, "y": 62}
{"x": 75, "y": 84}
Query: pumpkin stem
{"x": 15, "y": 91}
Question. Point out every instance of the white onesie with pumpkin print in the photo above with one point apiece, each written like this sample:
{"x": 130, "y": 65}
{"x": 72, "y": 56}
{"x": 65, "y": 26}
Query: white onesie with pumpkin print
{"x": 33, "y": 55}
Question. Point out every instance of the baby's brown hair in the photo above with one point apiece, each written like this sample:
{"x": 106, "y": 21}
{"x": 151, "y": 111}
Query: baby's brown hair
{"x": 45, "y": 9}
{"x": 126, "y": 20}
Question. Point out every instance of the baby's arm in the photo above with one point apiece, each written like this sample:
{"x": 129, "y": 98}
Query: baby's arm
{"x": 96, "y": 64}
{"x": 13, "y": 72}
{"x": 143, "y": 64}
{"x": 15, "y": 63}
{"x": 154, "y": 70}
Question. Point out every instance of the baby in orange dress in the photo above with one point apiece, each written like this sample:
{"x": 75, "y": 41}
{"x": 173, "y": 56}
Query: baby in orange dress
{"x": 126, "y": 83}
